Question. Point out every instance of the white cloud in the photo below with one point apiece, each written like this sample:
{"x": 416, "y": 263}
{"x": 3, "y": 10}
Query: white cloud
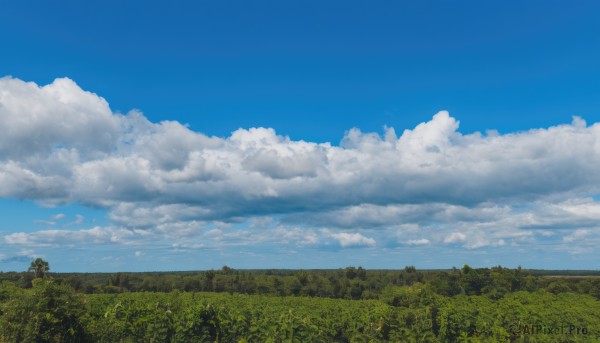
{"x": 37, "y": 120}
{"x": 422, "y": 241}
{"x": 96, "y": 235}
{"x": 347, "y": 239}
{"x": 455, "y": 237}
{"x": 58, "y": 216}
{"x": 61, "y": 144}
{"x": 577, "y": 235}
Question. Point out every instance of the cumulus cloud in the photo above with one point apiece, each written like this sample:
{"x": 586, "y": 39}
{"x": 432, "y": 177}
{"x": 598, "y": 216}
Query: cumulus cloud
{"x": 422, "y": 241}
{"x": 61, "y": 144}
{"x": 577, "y": 235}
{"x": 57, "y": 238}
{"x": 455, "y": 237}
{"x": 37, "y": 120}
{"x": 347, "y": 239}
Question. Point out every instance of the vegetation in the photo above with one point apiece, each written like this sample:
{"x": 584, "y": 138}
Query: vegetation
{"x": 345, "y": 305}
{"x": 39, "y": 267}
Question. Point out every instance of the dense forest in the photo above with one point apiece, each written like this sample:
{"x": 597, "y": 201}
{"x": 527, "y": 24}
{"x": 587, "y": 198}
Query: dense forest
{"x": 344, "y": 305}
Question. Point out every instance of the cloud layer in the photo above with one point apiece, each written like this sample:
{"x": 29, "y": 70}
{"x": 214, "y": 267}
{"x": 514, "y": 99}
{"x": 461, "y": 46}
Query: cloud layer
{"x": 430, "y": 185}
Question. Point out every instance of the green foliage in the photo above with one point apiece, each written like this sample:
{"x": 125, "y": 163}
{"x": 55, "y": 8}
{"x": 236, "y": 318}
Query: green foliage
{"x": 348, "y": 283}
{"x": 520, "y": 316}
{"x": 460, "y": 305}
{"x": 210, "y": 317}
{"x": 39, "y": 267}
{"x": 419, "y": 316}
{"x": 46, "y": 313}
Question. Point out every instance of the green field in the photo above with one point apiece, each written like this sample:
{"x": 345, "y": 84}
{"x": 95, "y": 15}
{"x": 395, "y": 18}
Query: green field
{"x": 466, "y": 305}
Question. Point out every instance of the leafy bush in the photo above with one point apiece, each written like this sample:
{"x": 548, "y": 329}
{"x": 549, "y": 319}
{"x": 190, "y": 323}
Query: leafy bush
{"x": 46, "y": 313}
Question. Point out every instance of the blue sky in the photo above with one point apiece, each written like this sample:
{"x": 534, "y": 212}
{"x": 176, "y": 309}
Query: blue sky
{"x": 189, "y": 135}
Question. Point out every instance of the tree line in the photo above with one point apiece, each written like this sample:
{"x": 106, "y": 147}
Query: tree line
{"x": 51, "y": 312}
{"x": 344, "y": 283}
{"x": 344, "y": 305}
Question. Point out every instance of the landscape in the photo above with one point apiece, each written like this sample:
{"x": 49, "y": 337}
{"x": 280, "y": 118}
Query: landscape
{"x": 344, "y": 305}
{"x": 299, "y": 171}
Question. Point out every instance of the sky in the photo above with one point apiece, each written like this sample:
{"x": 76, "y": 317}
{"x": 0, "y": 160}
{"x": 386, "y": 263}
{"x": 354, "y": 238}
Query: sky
{"x": 188, "y": 135}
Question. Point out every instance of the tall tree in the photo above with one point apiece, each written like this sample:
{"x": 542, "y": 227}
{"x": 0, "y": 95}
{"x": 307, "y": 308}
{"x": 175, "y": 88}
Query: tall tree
{"x": 39, "y": 267}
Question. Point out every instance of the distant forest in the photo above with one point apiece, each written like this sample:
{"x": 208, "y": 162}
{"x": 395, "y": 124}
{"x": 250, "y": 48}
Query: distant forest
{"x": 347, "y": 283}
